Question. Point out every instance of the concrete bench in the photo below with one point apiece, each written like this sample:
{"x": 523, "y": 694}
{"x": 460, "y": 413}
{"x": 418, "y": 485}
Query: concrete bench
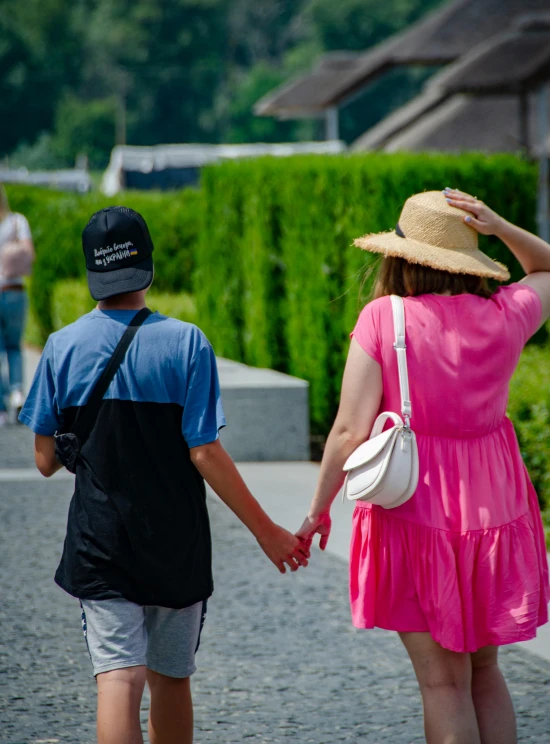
{"x": 267, "y": 414}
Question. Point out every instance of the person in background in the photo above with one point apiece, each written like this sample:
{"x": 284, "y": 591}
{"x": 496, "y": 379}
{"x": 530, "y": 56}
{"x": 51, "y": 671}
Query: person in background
{"x": 137, "y": 551}
{"x": 16, "y": 257}
{"x": 460, "y": 568}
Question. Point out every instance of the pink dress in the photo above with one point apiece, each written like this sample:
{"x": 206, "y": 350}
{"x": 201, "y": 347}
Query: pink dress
{"x": 465, "y": 557}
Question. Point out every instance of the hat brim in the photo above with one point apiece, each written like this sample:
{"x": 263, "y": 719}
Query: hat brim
{"x": 456, "y": 260}
{"x": 105, "y": 284}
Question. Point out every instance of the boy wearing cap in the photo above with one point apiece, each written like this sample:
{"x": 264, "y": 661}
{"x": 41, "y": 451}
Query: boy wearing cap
{"x": 137, "y": 551}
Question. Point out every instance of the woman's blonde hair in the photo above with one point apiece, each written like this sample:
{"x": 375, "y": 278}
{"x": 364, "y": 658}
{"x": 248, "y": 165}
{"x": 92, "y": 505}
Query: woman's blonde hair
{"x": 4, "y": 203}
{"x": 399, "y": 277}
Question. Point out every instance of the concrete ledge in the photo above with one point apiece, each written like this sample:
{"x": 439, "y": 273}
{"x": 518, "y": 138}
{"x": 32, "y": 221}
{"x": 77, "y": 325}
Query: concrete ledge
{"x": 267, "y": 414}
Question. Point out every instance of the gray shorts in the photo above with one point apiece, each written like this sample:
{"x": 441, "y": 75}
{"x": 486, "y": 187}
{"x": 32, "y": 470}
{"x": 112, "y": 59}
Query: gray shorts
{"x": 123, "y": 634}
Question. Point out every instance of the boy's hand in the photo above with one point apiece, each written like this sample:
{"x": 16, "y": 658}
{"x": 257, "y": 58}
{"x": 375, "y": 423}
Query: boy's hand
{"x": 321, "y": 524}
{"x": 281, "y": 547}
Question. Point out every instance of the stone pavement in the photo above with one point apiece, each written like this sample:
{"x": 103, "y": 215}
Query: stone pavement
{"x": 285, "y": 492}
{"x": 279, "y": 660}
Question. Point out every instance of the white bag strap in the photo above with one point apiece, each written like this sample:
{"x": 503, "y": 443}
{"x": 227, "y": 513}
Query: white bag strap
{"x": 398, "y": 307}
{"x": 382, "y": 420}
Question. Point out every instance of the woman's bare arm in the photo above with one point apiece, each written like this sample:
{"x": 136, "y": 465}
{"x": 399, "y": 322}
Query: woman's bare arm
{"x": 532, "y": 252}
{"x": 359, "y": 404}
{"x": 29, "y": 245}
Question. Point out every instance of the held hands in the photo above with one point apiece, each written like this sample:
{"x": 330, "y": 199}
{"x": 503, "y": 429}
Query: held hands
{"x": 312, "y": 525}
{"x": 281, "y": 547}
{"x": 479, "y": 216}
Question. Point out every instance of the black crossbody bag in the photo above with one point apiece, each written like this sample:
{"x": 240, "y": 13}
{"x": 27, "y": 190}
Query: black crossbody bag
{"x": 68, "y": 445}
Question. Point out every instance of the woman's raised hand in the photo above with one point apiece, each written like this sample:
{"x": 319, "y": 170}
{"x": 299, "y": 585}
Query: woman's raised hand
{"x": 479, "y": 216}
{"x": 320, "y": 524}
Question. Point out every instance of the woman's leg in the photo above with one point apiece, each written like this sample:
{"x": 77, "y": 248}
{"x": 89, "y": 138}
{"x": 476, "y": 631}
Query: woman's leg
{"x": 15, "y": 313}
{"x": 171, "y": 714}
{"x": 494, "y": 709}
{"x": 3, "y": 393}
{"x": 445, "y": 679}
{"x": 119, "y": 696}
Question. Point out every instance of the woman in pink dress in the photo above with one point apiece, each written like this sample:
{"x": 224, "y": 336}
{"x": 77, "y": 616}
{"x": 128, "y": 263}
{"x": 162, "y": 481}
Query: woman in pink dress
{"x": 460, "y": 569}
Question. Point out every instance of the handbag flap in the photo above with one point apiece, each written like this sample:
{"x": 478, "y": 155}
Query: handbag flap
{"x": 369, "y": 477}
{"x": 369, "y": 449}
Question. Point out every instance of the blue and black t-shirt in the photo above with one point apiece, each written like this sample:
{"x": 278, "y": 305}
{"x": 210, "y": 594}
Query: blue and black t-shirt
{"x": 138, "y": 525}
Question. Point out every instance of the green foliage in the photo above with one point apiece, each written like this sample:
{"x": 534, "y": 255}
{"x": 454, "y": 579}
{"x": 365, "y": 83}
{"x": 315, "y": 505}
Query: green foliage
{"x": 359, "y": 24}
{"x": 218, "y": 279}
{"x": 57, "y": 220}
{"x": 41, "y": 155}
{"x": 529, "y": 408}
{"x": 41, "y": 56}
{"x": 185, "y": 70}
{"x": 71, "y": 299}
{"x": 34, "y": 335}
{"x": 88, "y": 124}
{"x": 245, "y": 126}
{"x": 277, "y": 281}
{"x": 180, "y": 305}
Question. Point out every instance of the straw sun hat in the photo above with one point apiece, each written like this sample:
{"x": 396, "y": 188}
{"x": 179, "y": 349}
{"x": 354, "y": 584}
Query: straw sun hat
{"x": 432, "y": 233}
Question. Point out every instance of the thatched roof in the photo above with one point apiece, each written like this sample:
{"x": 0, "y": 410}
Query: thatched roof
{"x": 441, "y": 37}
{"x": 460, "y": 123}
{"x": 510, "y": 63}
{"x": 310, "y": 93}
{"x": 399, "y": 120}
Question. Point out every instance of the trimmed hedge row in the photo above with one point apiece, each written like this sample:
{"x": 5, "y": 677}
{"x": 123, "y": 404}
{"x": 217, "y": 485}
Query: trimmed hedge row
{"x": 57, "y": 220}
{"x": 277, "y": 281}
{"x": 71, "y": 299}
{"x": 279, "y": 284}
{"x": 529, "y": 409}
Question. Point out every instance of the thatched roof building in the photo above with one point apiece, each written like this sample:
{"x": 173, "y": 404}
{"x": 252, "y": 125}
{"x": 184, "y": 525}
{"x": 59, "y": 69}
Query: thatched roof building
{"x": 512, "y": 62}
{"x": 498, "y": 115}
{"x": 440, "y": 38}
{"x": 484, "y": 123}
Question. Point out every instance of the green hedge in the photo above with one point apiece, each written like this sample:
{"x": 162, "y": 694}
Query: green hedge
{"x": 529, "y": 409}
{"x": 57, "y": 220}
{"x": 71, "y": 299}
{"x": 277, "y": 281}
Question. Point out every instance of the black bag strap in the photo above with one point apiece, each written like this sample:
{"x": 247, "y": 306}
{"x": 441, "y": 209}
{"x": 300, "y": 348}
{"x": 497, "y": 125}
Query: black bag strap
{"x": 85, "y": 421}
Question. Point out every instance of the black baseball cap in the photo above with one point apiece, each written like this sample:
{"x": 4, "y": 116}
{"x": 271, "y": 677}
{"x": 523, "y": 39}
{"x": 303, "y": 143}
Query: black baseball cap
{"x": 118, "y": 251}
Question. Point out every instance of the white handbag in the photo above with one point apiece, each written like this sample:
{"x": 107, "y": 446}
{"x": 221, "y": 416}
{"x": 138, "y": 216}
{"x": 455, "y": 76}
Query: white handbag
{"x": 384, "y": 469}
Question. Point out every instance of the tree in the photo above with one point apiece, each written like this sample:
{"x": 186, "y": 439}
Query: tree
{"x": 165, "y": 57}
{"x": 244, "y": 126}
{"x": 356, "y": 25}
{"x": 84, "y": 127}
{"x": 39, "y": 57}
{"x": 182, "y": 70}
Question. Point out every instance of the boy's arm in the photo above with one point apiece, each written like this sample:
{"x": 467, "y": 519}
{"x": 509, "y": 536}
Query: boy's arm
{"x": 219, "y": 471}
{"x": 44, "y": 455}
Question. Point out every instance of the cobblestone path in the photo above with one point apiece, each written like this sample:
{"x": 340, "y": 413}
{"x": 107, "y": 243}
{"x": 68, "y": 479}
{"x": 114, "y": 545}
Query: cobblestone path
{"x": 279, "y": 660}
